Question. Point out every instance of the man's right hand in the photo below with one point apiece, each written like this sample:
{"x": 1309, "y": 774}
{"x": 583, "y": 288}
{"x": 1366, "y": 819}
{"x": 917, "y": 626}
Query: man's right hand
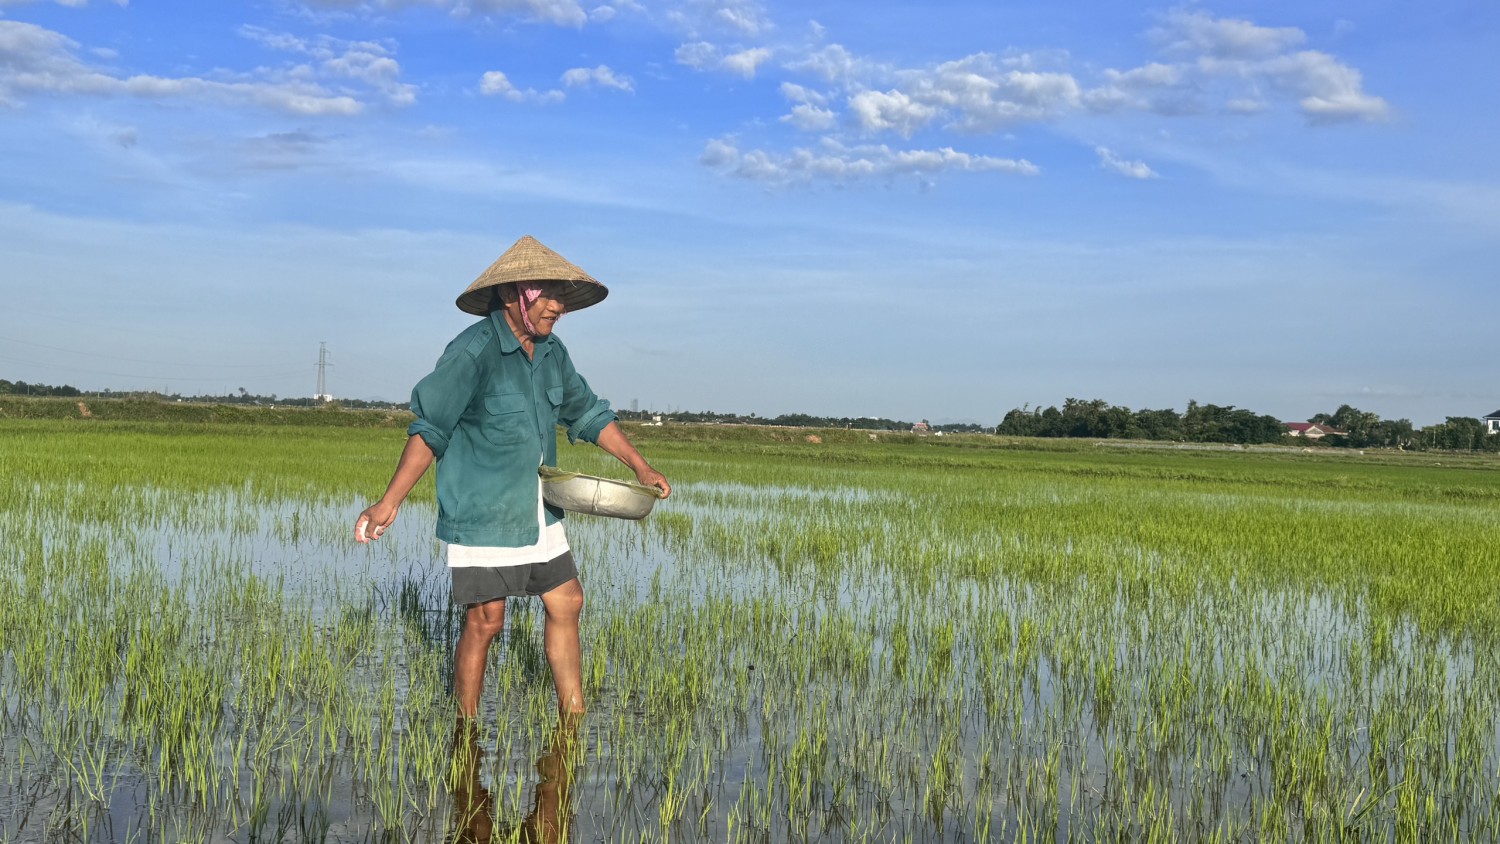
{"x": 372, "y": 523}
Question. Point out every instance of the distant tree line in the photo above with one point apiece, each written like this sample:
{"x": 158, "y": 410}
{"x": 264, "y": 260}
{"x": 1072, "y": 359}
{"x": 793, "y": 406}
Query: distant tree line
{"x": 1460, "y": 433}
{"x": 1096, "y": 419}
{"x": 1210, "y": 423}
{"x": 789, "y": 420}
{"x": 21, "y": 388}
{"x": 240, "y": 396}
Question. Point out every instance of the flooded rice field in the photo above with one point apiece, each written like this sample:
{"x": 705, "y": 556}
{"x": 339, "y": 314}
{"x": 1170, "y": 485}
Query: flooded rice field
{"x": 852, "y": 642}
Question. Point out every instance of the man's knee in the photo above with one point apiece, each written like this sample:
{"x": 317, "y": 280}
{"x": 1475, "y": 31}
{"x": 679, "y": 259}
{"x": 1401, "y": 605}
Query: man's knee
{"x": 486, "y": 619}
{"x": 564, "y": 602}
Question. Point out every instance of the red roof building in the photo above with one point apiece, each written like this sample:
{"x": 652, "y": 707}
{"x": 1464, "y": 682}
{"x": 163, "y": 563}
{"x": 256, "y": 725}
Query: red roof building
{"x": 1312, "y": 430}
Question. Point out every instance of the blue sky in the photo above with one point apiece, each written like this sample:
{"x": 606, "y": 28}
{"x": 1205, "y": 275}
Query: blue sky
{"x": 872, "y": 208}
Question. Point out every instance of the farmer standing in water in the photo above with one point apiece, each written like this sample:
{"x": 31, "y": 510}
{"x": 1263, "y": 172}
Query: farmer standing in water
{"x": 488, "y": 414}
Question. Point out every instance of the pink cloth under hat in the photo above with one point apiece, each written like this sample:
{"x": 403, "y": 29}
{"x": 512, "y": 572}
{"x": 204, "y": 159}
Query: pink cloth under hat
{"x": 529, "y": 292}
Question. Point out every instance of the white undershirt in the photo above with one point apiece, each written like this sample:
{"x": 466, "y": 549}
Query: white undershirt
{"x": 551, "y": 541}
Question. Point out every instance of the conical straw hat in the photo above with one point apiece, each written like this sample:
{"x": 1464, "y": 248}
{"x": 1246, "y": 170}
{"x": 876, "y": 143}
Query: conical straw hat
{"x": 529, "y": 260}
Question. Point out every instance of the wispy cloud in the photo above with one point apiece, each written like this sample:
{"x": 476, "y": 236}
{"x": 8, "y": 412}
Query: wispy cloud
{"x": 745, "y": 62}
{"x": 559, "y": 12}
{"x": 1197, "y": 33}
{"x": 833, "y": 63}
{"x": 1237, "y": 60}
{"x": 808, "y": 112}
{"x": 494, "y": 83}
{"x": 601, "y": 76}
{"x": 701, "y": 55}
{"x": 35, "y": 61}
{"x": 73, "y": 3}
{"x": 734, "y": 18}
{"x": 1131, "y": 169}
{"x": 835, "y": 162}
{"x": 368, "y": 62}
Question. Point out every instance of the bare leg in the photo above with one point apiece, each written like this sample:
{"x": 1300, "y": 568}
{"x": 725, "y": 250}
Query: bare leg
{"x": 482, "y": 623}
{"x": 564, "y": 605}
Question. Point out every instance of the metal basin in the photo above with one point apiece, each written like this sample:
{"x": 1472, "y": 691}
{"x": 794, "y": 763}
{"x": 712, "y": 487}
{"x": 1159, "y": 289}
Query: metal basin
{"x": 593, "y": 496}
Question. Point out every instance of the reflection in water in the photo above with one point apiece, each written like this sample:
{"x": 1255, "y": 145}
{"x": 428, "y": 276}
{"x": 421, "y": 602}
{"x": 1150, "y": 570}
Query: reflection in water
{"x": 474, "y": 806}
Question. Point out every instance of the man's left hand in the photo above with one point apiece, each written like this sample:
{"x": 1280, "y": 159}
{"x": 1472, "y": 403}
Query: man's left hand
{"x": 650, "y": 477}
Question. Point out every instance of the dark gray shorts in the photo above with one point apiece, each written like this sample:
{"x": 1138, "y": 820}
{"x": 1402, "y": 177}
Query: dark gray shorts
{"x": 478, "y": 584}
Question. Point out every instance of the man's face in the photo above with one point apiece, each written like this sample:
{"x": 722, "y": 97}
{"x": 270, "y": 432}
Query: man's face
{"x": 545, "y": 311}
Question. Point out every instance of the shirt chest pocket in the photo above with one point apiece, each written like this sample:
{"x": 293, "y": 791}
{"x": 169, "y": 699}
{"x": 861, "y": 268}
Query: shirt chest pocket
{"x": 554, "y": 405}
{"x": 505, "y": 418}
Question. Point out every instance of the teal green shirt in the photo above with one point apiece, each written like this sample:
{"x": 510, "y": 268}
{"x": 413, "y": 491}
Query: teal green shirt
{"x": 490, "y": 415}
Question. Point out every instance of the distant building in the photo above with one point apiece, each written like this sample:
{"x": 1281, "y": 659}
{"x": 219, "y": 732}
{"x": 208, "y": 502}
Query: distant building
{"x": 322, "y": 398}
{"x": 1312, "y": 430}
{"x": 1492, "y": 423}
{"x": 921, "y": 427}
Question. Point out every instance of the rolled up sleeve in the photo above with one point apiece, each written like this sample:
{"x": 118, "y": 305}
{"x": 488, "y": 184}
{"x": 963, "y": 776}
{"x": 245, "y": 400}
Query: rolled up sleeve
{"x": 583, "y": 412}
{"x": 440, "y": 399}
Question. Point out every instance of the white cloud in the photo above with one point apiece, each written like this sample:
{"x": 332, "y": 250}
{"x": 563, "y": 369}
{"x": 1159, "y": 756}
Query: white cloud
{"x": 834, "y": 63}
{"x": 34, "y": 60}
{"x": 272, "y": 40}
{"x": 494, "y": 83}
{"x": 747, "y": 21}
{"x": 808, "y": 114}
{"x": 1154, "y": 75}
{"x": 842, "y": 164}
{"x": 798, "y": 94}
{"x": 701, "y": 55}
{"x": 1232, "y": 61}
{"x": 560, "y": 12}
{"x": 719, "y": 152}
{"x": 736, "y": 18}
{"x": 745, "y": 61}
{"x": 601, "y": 76}
{"x": 1201, "y": 34}
{"x": 1215, "y": 65}
{"x": 368, "y": 62}
{"x": 981, "y": 96}
{"x": 73, "y": 3}
{"x": 600, "y": 14}
{"x": 1142, "y": 89}
{"x": 890, "y": 111}
{"x": 1331, "y": 91}
{"x": 971, "y": 94}
{"x": 1328, "y": 90}
{"x": 1131, "y": 169}
{"x": 811, "y": 118}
